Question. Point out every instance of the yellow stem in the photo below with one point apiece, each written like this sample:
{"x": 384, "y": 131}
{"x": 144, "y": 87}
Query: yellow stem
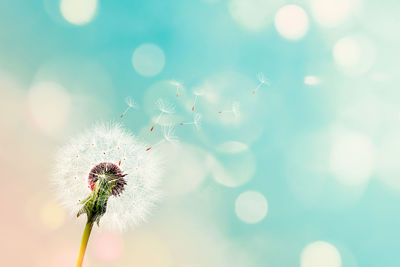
{"x": 85, "y": 239}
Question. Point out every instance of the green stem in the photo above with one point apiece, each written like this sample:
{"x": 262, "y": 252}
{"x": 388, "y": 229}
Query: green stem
{"x": 85, "y": 239}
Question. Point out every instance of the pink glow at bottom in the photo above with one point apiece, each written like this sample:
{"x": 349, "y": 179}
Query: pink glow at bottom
{"x": 65, "y": 257}
{"x": 108, "y": 246}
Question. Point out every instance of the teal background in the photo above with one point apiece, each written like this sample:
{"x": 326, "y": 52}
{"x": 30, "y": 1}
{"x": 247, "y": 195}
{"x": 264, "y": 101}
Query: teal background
{"x": 202, "y": 42}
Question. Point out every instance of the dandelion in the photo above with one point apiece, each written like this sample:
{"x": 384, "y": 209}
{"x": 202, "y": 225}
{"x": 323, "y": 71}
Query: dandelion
{"x": 234, "y": 110}
{"x": 131, "y": 105}
{"x": 97, "y": 174}
{"x": 178, "y": 86}
{"x": 168, "y": 136}
{"x": 164, "y": 108}
{"x": 262, "y": 80}
{"x": 196, "y": 121}
{"x": 196, "y": 95}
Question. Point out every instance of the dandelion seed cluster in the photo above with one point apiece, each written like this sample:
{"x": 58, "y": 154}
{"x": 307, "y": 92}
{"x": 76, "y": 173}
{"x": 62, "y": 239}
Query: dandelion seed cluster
{"x": 111, "y": 144}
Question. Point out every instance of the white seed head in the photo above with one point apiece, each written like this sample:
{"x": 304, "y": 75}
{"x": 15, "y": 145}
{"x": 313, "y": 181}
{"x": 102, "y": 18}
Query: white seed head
{"x": 165, "y": 107}
{"x": 131, "y": 102}
{"x": 261, "y": 78}
{"x": 235, "y": 108}
{"x": 198, "y": 92}
{"x": 197, "y": 120}
{"x": 109, "y": 143}
{"x": 177, "y": 84}
{"x": 169, "y": 134}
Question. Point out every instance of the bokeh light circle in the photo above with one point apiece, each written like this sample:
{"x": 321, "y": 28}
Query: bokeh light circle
{"x": 310, "y": 177}
{"x": 186, "y": 167}
{"x": 78, "y": 12}
{"x": 253, "y": 15}
{"x": 148, "y": 60}
{"x": 251, "y": 207}
{"x": 233, "y": 169}
{"x": 232, "y": 147}
{"x": 388, "y": 168}
{"x": 291, "y": 22}
{"x": 352, "y": 157}
{"x": 354, "y": 55}
{"x": 346, "y": 52}
{"x": 368, "y": 111}
{"x": 330, "y": 13}
{"x": 49, "y": 106}
{"x": 320, "y": 254}
{"x": 312, "y": 80}
{"x": 52, "y": 215}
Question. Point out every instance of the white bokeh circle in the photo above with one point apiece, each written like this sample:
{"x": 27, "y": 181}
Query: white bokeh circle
{"x": 52, "y": 215}
{"x": 233, "y": 169}
{"x": 186, "y": 168}
{"x": 320, "y": 254}
{"x": 331, "y": 13}
{"x": 78, "y": 12}
{"x": 148, "y": 60}
{"x": 49, "y": 106}
{"x": 352, "y": 157}
{"x": 251, "y": 207}
{"x": 354, "y": 55}
{"x": 291, "y": 22}
{"x": 232, "y": 147}
{"x": 253, "y": 15}
{"x": 312, "y": 80}
{"x": 388, "y": 168}
{"x": 310, "y": 176}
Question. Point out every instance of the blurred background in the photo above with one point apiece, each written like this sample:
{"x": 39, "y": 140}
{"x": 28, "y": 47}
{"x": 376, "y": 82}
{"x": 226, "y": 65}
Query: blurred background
{"x": 296, "y": 159}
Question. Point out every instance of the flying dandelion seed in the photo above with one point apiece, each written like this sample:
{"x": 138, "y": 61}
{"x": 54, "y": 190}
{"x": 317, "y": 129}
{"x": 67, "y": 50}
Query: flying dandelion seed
{"x": 234, "y": 110}
{"x": 196, "y": 121}
{"x": 168, "y": 136}
{"x": 131, "y": 105}
{"x": 262, "y": 80}
{"x": 164, "y": 108}
{"x": 196, "y": 95}
{"x": 102, "y": 180}
{"x": 178, "y": 86}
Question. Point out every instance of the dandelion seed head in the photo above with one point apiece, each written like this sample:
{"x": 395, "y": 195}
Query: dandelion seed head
{"x": 235, "y": 108}
{"x": 113, "y": 174}
{"x": 198, "y": 92}
{"x": 165, "y": 107}
{"x": 176, "y": 84}
{"x": 131, "y": 102}
{"x": 197, "y": 120}
{"x": 117, "y": 152}
{"x": 169, "y": 134}
{"x": 261, "y": 78}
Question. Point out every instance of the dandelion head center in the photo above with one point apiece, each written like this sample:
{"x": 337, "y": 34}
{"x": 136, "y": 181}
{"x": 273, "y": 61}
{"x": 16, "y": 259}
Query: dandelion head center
{"x": 110, "y": 173}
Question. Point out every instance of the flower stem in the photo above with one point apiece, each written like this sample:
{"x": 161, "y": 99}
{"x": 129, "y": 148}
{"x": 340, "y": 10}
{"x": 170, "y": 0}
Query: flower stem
{"x": 85, "y": 239}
